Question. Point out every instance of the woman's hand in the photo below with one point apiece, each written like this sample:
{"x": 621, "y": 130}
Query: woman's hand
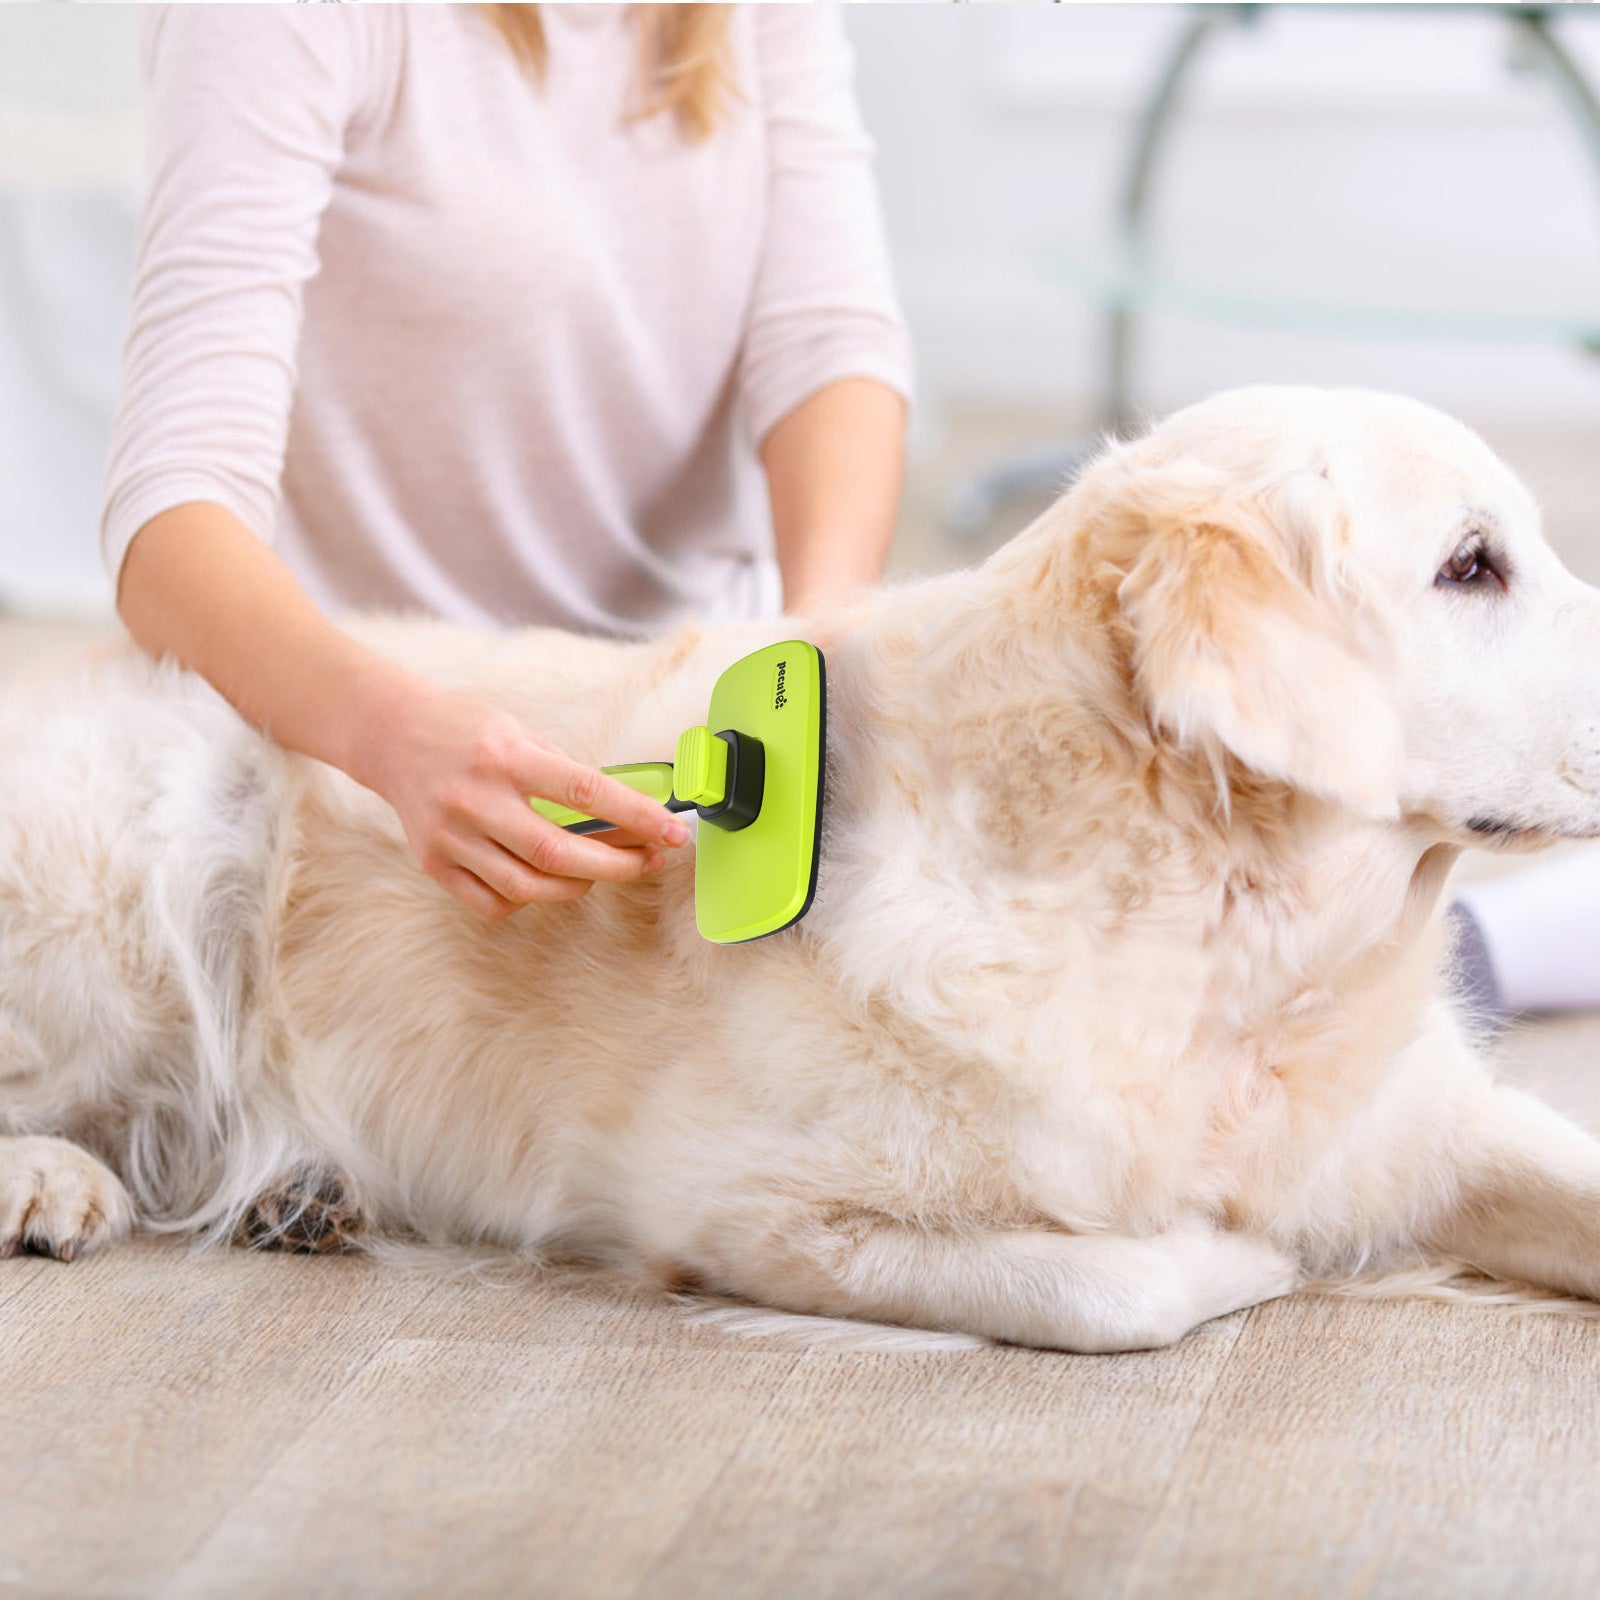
{"x": 199, "y": 586}
{"x": 459, "y": 773}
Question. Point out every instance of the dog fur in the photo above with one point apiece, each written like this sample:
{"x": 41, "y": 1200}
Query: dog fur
{"x": 1121, "y": 1004}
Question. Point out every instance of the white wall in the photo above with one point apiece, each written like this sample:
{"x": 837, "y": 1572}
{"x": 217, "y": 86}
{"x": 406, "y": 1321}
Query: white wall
{"x": 1331, "y": 149}
{"x": 69, "y": 170}
{"x": 1331, "y": 154}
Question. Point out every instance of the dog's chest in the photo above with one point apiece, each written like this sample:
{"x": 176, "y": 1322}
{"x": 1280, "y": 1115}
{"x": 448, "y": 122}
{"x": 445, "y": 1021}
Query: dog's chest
{"x": 1136, "y": 1150}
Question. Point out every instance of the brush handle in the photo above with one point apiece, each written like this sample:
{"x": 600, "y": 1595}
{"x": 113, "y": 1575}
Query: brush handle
{"x": 653, "y": 778}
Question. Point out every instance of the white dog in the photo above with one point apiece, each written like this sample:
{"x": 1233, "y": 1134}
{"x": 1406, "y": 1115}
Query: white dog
{"x": 1120, "y": 1005}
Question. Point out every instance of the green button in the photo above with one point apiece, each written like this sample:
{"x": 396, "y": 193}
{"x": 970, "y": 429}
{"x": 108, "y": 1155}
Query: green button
{"x": 700, "y": 768}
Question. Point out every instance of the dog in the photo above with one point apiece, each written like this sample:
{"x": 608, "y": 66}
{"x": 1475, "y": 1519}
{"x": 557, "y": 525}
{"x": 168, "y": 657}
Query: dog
{"x": 1122, "y": 1003}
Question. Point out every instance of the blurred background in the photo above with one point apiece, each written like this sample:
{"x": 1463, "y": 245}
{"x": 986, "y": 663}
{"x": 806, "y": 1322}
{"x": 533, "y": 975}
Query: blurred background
{"x": 1405, "y": 197}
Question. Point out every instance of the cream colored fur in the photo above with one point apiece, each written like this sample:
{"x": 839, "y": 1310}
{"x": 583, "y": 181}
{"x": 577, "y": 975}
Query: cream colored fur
{"x": 1121, "y": 1005}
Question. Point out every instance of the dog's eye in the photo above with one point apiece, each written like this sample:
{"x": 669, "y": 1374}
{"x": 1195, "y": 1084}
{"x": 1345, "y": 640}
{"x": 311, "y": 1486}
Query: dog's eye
{"x": 1469, "y": 568}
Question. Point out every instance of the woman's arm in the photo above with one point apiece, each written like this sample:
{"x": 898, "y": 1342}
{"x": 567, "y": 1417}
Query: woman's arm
{"x": 826, "y": 359}
{"x": 198, "y": 586}
{"x": 248, "y": 112}
{"x": 834, "y": 470}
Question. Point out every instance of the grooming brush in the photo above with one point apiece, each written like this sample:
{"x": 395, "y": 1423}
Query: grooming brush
{"x": 756, "y": 785}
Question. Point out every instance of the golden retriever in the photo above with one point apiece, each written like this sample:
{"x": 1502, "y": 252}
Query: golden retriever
{"x": 1122, "y": 1003}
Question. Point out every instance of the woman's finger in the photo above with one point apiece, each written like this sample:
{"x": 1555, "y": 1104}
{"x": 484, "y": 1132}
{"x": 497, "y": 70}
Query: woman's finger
{"x": 545, "y": 849}
{"x": 554, "y": 776}
{"x": 622, "y": 839}
{"x": 474, "y": 893}
{"x": 510, "y": 880}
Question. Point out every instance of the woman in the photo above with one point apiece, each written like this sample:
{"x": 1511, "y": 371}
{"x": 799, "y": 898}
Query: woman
{"x": 514, "y": 316}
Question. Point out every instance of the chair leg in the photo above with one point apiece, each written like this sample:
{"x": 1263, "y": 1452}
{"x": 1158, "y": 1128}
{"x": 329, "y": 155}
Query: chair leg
{"x": 1152, "y": 133}
{"x": 1541, "y": 51}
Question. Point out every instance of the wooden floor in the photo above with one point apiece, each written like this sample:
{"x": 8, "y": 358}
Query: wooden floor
{"x": 256, "y": 1425}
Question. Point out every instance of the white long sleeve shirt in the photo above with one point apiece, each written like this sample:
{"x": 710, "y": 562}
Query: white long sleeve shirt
{"x": 456, "y": 342}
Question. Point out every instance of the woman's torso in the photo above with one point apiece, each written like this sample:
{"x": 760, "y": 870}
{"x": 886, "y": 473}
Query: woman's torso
{"x": 516, "y": 397}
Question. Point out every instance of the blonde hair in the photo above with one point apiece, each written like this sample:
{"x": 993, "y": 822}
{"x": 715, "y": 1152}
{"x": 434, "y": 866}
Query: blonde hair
{"x": 683, "y": 58}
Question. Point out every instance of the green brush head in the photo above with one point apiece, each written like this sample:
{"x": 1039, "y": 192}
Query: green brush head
{"x": 759, "y": 876}
{"x": 757, "y": 785}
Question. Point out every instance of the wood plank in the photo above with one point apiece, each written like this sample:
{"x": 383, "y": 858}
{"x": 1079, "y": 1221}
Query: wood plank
{"x": 27, "y": 643}
{"x": 513, "y": 1303}
{"x": 20, "y": 1273}
{"x": 464, "y": 1468}
{"x": 1558, "y": 1059}
{"x": 1389, "y": 1449}
{"x": 995, "y": 1473}
{"x": 143, "y": 1391}
{"x": 648, "y": 1456}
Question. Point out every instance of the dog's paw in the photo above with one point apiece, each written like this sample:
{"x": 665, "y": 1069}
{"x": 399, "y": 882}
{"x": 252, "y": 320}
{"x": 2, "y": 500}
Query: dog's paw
{"x": 1242, "y": 1270}
{"x": 313, "y": 1211}
{"x": 58, "y": 1200}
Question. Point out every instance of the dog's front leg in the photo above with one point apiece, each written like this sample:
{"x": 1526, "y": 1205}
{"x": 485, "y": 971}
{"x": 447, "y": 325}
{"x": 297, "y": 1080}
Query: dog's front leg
{"x": 1527, "y": 1201}
{"x": 1083, "y": 1292}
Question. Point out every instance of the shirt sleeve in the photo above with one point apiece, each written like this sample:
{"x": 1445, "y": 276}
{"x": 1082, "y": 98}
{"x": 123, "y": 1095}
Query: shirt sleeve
{"x": 246, "y": 110}
{"x": 824, "y": 306}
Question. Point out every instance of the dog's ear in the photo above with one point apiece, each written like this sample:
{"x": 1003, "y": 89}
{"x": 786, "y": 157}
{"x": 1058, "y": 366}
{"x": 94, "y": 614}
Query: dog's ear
{"x": 1231, "y": 645}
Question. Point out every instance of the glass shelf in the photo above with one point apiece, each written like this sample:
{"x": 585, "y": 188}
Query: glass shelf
{"x": 1570, "y": 313}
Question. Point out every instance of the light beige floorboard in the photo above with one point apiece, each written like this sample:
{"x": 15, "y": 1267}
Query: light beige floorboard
{"x": 27, "y": 643}
{"x": 143, "y": 1391}
{"x": 18, "y": 1274}
{"x": 695, "y": 1465}
{"x": 1558, "y": 1058}
{"x": 1374, "y": 1451}
{"x": 989, "y": 1474}
{"x": 468, "y": 1468}
{"x": 511, "y": 1305}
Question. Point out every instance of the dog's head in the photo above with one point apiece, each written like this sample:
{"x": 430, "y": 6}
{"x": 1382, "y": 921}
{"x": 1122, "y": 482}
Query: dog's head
{"x": 1347, "y": 593}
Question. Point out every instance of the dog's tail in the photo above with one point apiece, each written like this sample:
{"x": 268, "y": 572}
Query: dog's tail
{"x": 1458, "y": 1283}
